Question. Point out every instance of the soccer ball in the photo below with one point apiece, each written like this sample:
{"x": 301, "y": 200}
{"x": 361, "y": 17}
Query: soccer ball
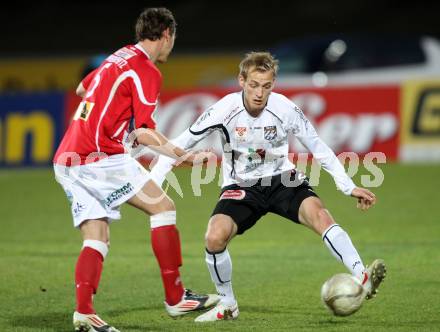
{"x": 342, "y": 294}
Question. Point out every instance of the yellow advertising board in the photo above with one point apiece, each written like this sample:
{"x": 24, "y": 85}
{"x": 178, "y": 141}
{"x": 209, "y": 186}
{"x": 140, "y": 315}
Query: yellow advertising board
{"x": 40, "y": 74}
{"x": 48, "y": 74}
{"x": 420, "y": 121}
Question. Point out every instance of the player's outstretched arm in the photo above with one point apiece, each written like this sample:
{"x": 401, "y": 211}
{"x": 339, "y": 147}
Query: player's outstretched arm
{"x": 328, "y": 160}
{"x": 208, "y": 121}
{"x": 160, "y": 144}
{"x": 366, "y": 198}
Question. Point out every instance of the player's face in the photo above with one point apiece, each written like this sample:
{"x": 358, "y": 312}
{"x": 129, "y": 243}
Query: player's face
{"x": 257, "y": 88}
{"x": 168, "y": 44}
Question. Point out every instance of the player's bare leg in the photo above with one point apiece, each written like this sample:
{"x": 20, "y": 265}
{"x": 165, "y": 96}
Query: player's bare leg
{"x": 221, "y": 229}
{"x": 165, "y": 242}
{"x": 96, "y": 229}
{"x": 313, "y": 215}
{"x": 96, "y": 236}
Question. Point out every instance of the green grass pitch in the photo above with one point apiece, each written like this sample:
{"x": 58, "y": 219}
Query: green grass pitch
{"x": 279, "y": 266}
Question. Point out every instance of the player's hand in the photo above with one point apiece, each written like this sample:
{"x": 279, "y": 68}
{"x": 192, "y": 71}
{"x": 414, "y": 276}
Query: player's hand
{"x": 366, "y": 198}
{"x": 203, "y": 157}
{"x": 197, "y": 158}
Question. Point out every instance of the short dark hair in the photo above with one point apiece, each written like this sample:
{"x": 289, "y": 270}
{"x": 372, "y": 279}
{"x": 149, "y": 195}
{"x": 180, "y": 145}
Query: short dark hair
{"x": 152, "y": 22}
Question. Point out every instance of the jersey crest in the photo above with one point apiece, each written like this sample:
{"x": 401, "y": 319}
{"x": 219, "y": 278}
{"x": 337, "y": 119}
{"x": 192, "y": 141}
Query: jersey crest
{"x": 241, "y": 133}
{"x": 270, "y": 133}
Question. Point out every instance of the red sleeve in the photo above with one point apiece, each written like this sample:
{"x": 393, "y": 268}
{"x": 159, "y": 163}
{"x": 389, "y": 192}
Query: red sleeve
{"x": 86, "y": 80}
{"x": 145, "y": 96}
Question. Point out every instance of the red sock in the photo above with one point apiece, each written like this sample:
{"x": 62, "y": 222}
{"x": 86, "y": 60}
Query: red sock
{"x": 166, "y": 246}
{"x": 87, "y": 274}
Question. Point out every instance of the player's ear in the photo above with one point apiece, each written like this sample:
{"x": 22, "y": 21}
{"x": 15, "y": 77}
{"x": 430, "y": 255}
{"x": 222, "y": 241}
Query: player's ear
{"x": 166, "y": 33}
{"x": 241, "y": 80}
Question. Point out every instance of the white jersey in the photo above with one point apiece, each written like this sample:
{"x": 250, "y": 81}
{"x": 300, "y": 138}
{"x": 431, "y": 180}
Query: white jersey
{"x": 256, "y": 147}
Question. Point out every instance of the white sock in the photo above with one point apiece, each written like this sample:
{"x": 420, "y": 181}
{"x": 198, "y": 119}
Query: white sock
{"x": 220, "y": 268}
{"x": 340, "y": 245}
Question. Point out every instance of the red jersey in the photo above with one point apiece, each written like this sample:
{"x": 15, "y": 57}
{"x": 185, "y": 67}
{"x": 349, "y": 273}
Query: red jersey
{"x": 121, "y": 96}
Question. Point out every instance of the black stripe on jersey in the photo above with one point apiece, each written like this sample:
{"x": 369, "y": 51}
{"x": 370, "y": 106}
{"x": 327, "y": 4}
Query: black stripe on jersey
{"x": 217, "y": 126}
{"x": 274, "y": 115}
{"x": 228, "y": 139}
{"x": 234, "y": 117}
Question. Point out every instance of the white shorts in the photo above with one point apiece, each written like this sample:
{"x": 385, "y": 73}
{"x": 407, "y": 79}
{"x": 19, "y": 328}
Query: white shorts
{"x": 98, "y": 189}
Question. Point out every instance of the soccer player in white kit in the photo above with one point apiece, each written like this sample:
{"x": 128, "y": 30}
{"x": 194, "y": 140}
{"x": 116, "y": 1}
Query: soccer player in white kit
{"x": 93, "y": 166}
{"x": 259, "y": 178}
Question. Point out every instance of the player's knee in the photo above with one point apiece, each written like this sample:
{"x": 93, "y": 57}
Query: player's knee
{"x": 324, "y": 218}
{"x": 96, "y": 229}
{"x": 164, "y": 206}
{"x": 215, "y": 241}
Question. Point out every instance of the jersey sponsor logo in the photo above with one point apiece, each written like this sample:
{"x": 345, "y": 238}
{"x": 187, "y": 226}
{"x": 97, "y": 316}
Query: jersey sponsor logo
{"x": 233, "y": 194}
{"x": 256, "y": 157}
{"x": 83, "y": 111}
{"x": 119, "y": 193}
{"x": 231, "y": 114}
{"x": 260, "y": 152}
{"x": 270, "y": 133}
{"x": 241, "y": 133}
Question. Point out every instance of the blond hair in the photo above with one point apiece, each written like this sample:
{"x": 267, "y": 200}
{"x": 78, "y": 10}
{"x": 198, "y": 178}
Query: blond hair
{"x": 259, "y": 61}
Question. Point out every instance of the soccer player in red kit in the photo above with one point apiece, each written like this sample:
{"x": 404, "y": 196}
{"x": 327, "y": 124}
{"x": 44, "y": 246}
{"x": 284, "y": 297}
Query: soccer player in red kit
{"x": 93, "y": 166}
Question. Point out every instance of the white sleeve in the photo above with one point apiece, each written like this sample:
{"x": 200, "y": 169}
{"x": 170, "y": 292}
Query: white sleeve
{"x": 304, "y": 131}
{"x": 159, "y": 171}
{"x": 208, "y": 121}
